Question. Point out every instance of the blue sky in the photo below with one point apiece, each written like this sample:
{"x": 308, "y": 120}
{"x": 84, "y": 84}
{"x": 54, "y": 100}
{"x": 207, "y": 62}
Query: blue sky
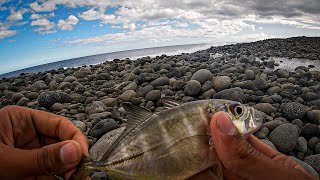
{"x": 38, "y": 32}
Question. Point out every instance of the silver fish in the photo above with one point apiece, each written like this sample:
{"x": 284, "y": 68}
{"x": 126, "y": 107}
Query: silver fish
{"x": 171, "y": 144}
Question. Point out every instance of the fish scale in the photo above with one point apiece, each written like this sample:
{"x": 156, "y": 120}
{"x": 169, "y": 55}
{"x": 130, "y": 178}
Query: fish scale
{"x": 171, "y": 144}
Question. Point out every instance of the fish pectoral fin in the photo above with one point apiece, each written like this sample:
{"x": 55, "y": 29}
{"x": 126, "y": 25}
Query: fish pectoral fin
{"x": 136, "y": 115}
{"x": 169, "y": 103}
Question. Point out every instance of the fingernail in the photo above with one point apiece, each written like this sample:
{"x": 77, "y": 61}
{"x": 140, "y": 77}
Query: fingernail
{"x": 68, "y": 153}
{"x": 225, "y": 125}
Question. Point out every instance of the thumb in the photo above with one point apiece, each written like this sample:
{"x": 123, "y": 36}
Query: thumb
{"x": 52, "y": 159}
{"x": 235, "y": 153}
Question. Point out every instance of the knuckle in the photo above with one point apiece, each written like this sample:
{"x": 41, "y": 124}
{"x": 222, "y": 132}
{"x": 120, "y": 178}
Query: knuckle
{"x": 46, "y": 161}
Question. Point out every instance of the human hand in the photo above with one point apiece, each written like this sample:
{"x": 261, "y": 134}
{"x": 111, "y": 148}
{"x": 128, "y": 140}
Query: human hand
{"x": 36, "y": 144}
{"x": 248, "y": 158}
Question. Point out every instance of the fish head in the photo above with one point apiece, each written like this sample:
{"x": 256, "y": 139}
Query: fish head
{"x": 245, "y": 118}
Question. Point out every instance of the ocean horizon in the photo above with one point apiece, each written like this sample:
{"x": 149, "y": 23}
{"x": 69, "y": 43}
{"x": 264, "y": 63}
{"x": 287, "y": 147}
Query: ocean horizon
{"x": 109, "y": 56}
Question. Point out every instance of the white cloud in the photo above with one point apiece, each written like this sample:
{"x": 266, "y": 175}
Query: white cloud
{"x": 41, "y": 16}
{"x": 92, "y": 14}
{"x": 45, "y": 26}
{"x": 7, "y": 33}
{"x": 47, "y": 6}
{"x": 68, "y": 23}
{"x": 16, "y": 15}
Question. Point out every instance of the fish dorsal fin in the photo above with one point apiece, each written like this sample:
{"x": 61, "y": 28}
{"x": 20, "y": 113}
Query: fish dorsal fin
{"x": 169, "y": 103}
{"x": 136, "y": 116}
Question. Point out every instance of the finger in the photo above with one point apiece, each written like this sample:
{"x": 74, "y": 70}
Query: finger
{"x": 52, "y": 125}
{"x": 235, "y": 153}
{"x": 53, "y": 159}
{"x": 273, "y": 154}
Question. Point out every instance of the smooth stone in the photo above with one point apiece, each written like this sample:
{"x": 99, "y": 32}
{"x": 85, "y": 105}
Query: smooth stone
{"x": 297, "y": 122}
{"x": 96, "y": 107}
{"x": 293, "y": 110}
{"x": 273, "y": 90}
{"x": 147, "y": 77}
{"x": 174, "y": 72}
{"x": 143, "y": 91}
{"x": 206, "y": 86}
{"x": 317, "y": 148}
{"x": 80, "y": 125}
{"x": 101, "y": 115}
{"x": 208, "y": 94}
{"x": 285, "y": 137}
{"x": 57, "y": 107}
{"x": 161, "y": 81}
{"x": 265, "y": 107}
{"x": 221, "y": 82}
{"x": 16, "y": 97}
{"x": 47, "y": 99}
{"x": 313, "y": 116}
{"x": 80, "y": 89}
{"x": 153, "y": 95}
{"x": 127, "y": 95}
{"x": 202, "y": 76}
{"x": 23, "y": 101}
{"x": 312, "y": 142}
{"x": 70, "y": 79}
{"x": 192, "y": 88}
{"x": 98, "y": 150}
{"x": 102, "y": 127}
{"x": 249, "y": 75}
{"x": 131, "y": 86}
{"x": 32, "y": 95}
{"x": 283, "y": 73}
{"x": 110, "y": 102}
{"x": 310, "y": 130}
{"x": 302, "y": 145}
{"x": 235, "y": 94}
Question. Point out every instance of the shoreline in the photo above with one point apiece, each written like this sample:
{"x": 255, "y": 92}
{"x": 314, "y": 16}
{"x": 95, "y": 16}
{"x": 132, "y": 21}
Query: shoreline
{"x": 90, "y": 96}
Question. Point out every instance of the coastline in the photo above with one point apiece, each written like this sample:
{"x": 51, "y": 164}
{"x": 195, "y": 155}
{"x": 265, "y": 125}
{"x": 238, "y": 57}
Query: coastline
{"x": 90, "y": 96}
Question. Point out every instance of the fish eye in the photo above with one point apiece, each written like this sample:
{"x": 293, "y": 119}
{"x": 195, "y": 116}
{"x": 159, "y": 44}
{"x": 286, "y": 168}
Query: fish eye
{"x": 237, "y": 110}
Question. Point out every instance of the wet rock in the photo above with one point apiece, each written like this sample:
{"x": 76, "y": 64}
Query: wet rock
{"x": 102, "y": 127}
{"x": 110, "y": 102}
{"x": 127, "y": 95}
{"x": 153, "y": 95}
{"x": 96, "y": 107}
{"x": 202, "y": 76}
{"x": 147, "y": 77}
{"x": 16, "y": 97}
{"x": 174, "y": 73}
{"x": 310, "y": 130}
{"x": 161, "y": 81}
{"x": 293, "y": 110}
{"x": 80, "y": 125}
{"x": 235, "y": 94}
{"x": 266, "y": 108}
{"x": 285, "y": 137}
{"x": 302, "y": 145}
{"x": 192, "y": 88}
{"x": 283, "y": 73}
{"x": 70, "y": 79}
{"x": 249, "y": 75}
{"x": 47, "y": 99}
{"x": 57, "y": 107}
{"x": 221, "y": 82}
{"x": 312, "y": 142}
{"x": 23, "y": 101}
{"x": 32, "y": 95}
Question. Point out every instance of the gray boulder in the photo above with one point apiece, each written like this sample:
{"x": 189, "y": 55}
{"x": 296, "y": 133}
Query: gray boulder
{"x": 235, "y": 94}
{"x": 285, "y": 137}
{"x": 202, "y": 76}
{"x": 221, "y": 82}
{"x": 192, "y": 88}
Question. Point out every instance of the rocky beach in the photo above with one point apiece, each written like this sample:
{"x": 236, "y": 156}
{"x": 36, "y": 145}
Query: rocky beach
{"x": 91, "y": 96}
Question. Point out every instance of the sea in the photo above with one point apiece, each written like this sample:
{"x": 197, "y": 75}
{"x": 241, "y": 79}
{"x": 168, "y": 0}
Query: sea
{"x": 101, "y": 58}
{"x": 285, "y": 63}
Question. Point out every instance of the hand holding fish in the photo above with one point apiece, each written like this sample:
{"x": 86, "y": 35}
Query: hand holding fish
{"x": 248, "y": 158}
{"x": 35, "y": 144}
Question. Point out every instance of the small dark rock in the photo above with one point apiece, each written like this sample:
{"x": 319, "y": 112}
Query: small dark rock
{"x": 235, "y": 94}
{"x": 153, "y": 95}
{"x": 47, "y": 99}
{"x": 103, "y": 127}
{"x": 293, "y": 110}
{"x": 310, "y": 130}
{"x": 192, "y": 88}
{"x": 202, "y": 76}
{"x": 285, "y": 137}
